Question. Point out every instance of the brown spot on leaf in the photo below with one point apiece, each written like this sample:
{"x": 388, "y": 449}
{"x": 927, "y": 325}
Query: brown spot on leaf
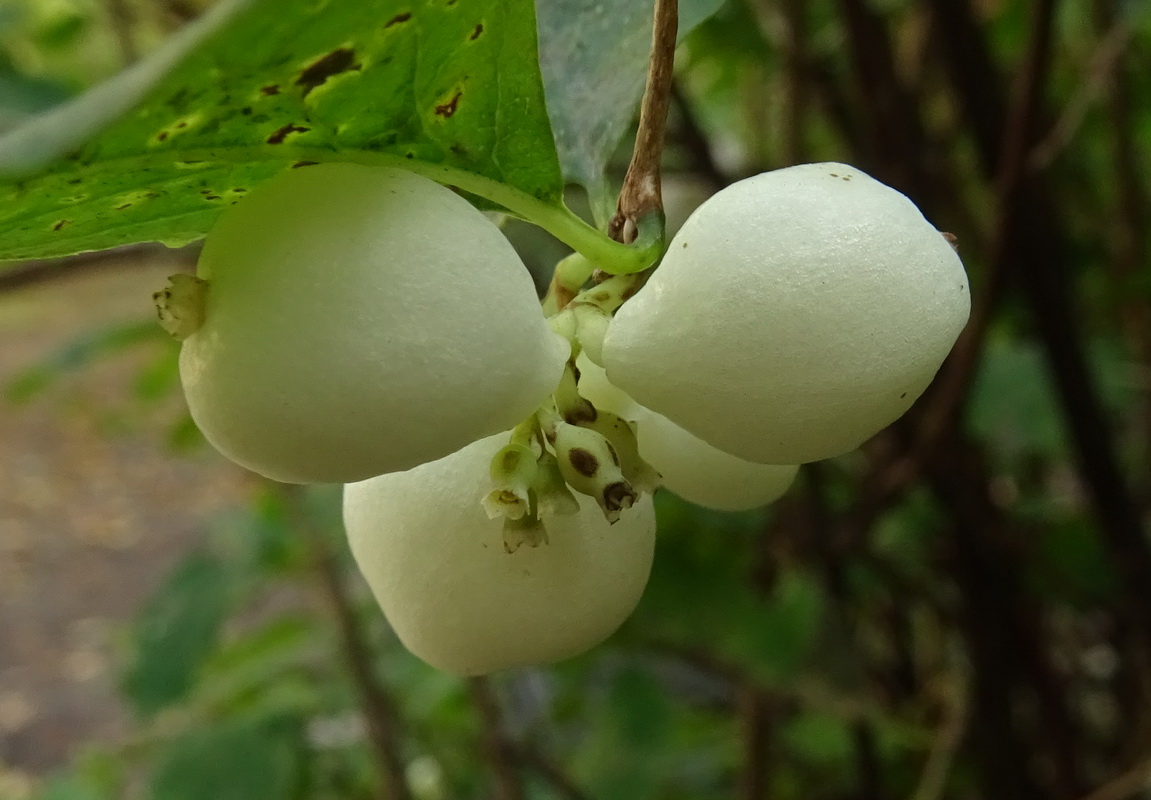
{"x": 61, "y": 224}
{"x": 476, "y": 33}
{"x": 317, "y": 73}
{"x": 584, "y": 462}
{"x": 281, "y": 134}
{"x": 398, "y": 19}
{"x": 449, "y": 108}
{"x": 270, "y": 89}
{"x": 211, "y": 197}
{"x": 299, "y": 164}
{"x": 121, "y": 208}
{"x": 161, "y": 136}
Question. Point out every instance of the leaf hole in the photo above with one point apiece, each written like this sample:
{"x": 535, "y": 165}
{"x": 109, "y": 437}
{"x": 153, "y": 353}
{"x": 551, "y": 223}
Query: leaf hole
{"x": 446, "y": 110}
{"x": 283, "y": 133}
{"x": 317, "y": 73}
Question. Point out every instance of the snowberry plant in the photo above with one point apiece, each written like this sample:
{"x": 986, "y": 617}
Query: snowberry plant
{"x": 355, "y": 318}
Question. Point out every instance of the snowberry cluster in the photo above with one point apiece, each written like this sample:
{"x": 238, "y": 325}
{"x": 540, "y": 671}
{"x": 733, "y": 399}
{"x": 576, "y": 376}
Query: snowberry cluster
{"x": 368, "y": 326}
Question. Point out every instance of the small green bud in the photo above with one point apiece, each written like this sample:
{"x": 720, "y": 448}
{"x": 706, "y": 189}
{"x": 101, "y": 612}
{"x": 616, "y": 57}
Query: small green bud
{"x": 622, "y": 436}
{"x": 512, "y": 470}
{"x": 570, "y": 275}
{"x": 591, "y": 326}
{"x": 564, "y": 323}
{"x": 571, "y": 406}
{"x": 528, "y": 529}
{"x": 591, "y": 466}
{"x": 551, "y": 490}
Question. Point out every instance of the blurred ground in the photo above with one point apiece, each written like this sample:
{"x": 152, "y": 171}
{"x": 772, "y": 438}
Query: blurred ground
{"x": 94, "y": 509}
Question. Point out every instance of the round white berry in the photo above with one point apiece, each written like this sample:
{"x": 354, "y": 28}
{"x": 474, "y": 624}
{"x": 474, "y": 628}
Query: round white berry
{"x": 437, "y": 564}
{"x": 795, "y": 314}
{"x": 359, "y": 321}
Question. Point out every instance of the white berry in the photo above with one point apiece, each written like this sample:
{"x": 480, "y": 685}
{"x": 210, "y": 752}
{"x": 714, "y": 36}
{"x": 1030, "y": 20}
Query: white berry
{"x": 705, "y": 475}
{"x": 687, "y": 465}
{"x": 359, "y": 321}
{"x": 795, "y": 314}
{"x": 438, "y": 567}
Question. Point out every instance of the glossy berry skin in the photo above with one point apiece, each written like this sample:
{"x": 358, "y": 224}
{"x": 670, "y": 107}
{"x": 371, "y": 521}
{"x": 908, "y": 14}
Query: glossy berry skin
{"x": 438, "y": 568}
{"x": 706, "y": 475}
{"x": 795, "y": 314}
{"x": 360, "y": 321}
{"x": 688, "y": 466}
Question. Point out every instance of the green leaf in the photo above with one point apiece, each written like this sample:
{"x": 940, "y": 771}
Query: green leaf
{"x": 1013, "y": 403}
{"x": 593, "y": 55}
{"x": 776, "y": 637}
{"x": 234, "y": 760}
{"x": 248, "y": 672}
{"x": 450, "y": 89}
{"x": 176, "y": 633}
{"x": 819, "y": 738}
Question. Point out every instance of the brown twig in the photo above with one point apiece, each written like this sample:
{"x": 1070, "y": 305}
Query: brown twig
{"x": 1098, "y": 76}
{"x": 1038, "y": 251}
{"x": 796, "y": 60}
{"x": 1131, "y": 212}
{"x": 987, "y": 576}
{"x": 120, "y": 15}
{"x": 1007, "y": 640}
{"x": 641, "y": 195}
{"x": 818, "y": 75}
{"x": 820, "y": 521}
{"x": 755, "y": 736}
{"x": 956, "y": 378}
{"x": 379, "y": 707}
{"x": 897, "y": 138}
{"x": 499, "y": 750}
{"x": 933, "y": 779}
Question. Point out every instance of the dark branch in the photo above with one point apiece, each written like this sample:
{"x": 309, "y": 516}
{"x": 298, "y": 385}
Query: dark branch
{"x": 379, "y": 708}
{"x": 640, "y": 195}
{"x": 499, "y": 750}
